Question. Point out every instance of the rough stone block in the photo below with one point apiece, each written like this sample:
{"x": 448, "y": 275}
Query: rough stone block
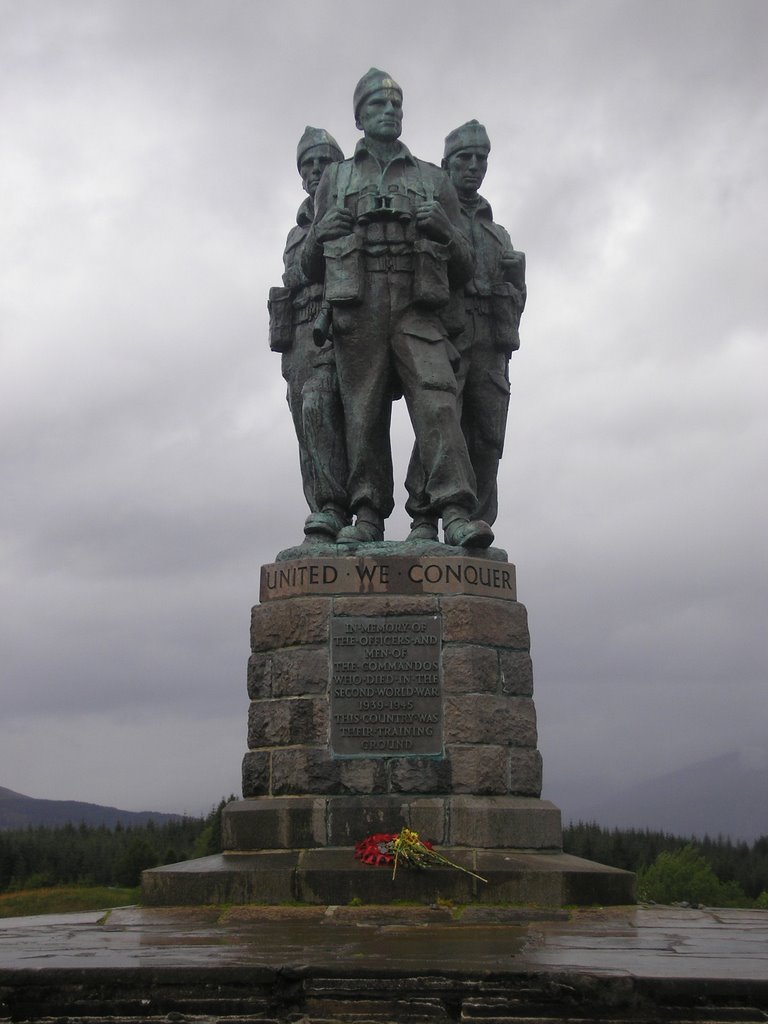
{"x": 483, "y": 620}
{"x": 506, "y": 822}
{"x": 516, "y": 673}
{"x": 525, "y": 772}
{"x": 302, "y": 620}
{"x": 363, "y": 775}
{"x": 506, "y": 721}
{"x": 478, "y": 769}
{"x": 307, "y": 770}
{"x": 299, "y": 670}
{"x": 426, "y": 815}
{"x": 274, "y": 823}
{"x": 287, "y": 721}
{"x": 353, "y": 818}
{"x": 469, "y": 668}
{"x": 256, "y": 773}
{"x": 259, "y": 676}
{"x": 420, "y": 775}
{"x": 302, "y": 770}
{"x": 385, "y": 604}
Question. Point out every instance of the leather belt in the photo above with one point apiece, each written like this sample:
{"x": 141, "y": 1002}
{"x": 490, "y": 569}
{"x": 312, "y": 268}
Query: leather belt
{"x": 389, "y": 263}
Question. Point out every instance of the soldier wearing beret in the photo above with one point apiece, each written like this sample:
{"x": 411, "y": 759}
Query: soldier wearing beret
{"x": 387, "y": 240}
{"x": 310, "y": 372}
{"x": 493, "y": 301}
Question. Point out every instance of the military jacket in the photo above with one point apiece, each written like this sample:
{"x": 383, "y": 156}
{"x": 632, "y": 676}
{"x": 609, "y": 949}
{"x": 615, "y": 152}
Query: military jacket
{"x": 293, "y": 275}
{"x": 489, "y": 241}
{"x": 405, "y": 183}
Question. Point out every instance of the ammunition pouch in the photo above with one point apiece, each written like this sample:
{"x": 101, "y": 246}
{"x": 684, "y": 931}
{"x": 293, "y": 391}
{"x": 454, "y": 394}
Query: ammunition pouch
{"x": 280, "y": 319}
{"x": 430, "y": 277}
{"x": 344, "y": 278}
{"x": 506, "y": 317}
{"x": 306, "y": 303}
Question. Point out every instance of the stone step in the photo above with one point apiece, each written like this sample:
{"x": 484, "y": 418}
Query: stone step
{"x": 333, "y": 876}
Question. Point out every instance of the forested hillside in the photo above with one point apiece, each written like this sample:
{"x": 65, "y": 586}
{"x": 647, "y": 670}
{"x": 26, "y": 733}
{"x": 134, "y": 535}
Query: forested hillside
{"x": 713, "y": 871}
{"x": 99, "y": 855}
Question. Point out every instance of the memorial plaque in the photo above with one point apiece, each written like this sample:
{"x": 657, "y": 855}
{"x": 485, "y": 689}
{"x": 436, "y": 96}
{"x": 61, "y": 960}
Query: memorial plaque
{"x": 386, "y": 692}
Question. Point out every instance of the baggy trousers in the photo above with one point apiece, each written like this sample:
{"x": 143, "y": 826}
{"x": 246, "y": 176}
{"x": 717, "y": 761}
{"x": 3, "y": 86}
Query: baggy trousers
{"x": 385, "y": 344}
{"x": 313, "y": 399}
{"x": 483, "y": 398}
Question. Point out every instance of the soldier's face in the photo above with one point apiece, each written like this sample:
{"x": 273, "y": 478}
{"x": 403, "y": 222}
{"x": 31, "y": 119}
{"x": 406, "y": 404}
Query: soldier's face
{"x": 381, "y": 115}
{"x": 467, "y": 169}
{"x": 313, "y": 164}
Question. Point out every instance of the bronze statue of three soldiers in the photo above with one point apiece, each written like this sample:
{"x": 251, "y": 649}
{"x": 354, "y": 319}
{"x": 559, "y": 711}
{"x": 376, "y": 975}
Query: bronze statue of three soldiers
{"x": 397, "y": 283}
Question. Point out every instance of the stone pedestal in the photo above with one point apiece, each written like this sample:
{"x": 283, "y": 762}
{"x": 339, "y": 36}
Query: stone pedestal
{"x": 390, "y": 691}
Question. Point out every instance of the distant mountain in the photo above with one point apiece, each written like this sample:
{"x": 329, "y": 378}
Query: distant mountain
{"x": 726, "y": 795}
{"x": 19, "y": 811}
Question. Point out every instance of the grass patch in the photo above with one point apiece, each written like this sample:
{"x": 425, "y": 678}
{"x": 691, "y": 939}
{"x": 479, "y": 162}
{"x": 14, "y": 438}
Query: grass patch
{"x": 64, "y": 899}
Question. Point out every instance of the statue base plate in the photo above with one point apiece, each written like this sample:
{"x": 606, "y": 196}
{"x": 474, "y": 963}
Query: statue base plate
{"x": 388, "y": 549}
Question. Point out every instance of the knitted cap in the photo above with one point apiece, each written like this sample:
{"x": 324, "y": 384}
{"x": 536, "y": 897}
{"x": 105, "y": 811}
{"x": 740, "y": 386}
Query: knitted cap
{"x": 472, "y": 134}
{"x": 371, "y": 82}
{"x": 316, "y": 137}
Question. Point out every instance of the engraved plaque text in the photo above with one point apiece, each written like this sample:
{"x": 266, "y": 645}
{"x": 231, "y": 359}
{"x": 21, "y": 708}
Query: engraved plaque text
{"x": 386, "y": 686}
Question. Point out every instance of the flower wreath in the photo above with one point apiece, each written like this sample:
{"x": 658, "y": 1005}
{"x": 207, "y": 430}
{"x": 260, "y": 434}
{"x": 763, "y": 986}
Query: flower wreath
{"x": 404, "y": 847}
{"x": 379, "y": 848}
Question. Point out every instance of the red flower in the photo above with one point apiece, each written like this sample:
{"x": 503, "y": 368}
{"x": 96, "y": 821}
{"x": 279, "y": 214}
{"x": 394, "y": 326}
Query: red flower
{"x": 377, "y": 849}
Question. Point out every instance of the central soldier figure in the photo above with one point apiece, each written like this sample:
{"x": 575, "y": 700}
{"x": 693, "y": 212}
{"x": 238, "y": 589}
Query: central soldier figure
{"x": 386, "y": 239}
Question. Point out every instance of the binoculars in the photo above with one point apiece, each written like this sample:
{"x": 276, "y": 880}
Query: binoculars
{"x": 383, "y": 206}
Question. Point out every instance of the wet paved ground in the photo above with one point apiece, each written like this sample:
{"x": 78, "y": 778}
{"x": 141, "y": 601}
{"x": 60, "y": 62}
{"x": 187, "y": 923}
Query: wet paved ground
{"x": 270, "y": 965}
{"x": 658, "y": 942}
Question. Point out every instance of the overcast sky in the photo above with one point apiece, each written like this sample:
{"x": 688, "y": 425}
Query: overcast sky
{"x": 148, "y": 463}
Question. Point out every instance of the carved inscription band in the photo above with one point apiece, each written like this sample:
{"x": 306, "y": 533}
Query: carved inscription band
{"x": 396, "y": 575}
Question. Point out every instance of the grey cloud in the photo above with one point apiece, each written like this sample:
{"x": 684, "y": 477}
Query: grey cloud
{"x": 147, "y": 186}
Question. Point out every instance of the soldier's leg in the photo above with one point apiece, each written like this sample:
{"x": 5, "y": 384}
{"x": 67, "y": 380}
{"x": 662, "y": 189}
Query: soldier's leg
{"x": 297, "y": 366}
{"x": 363, "y": 366}
{"x": 484, "y": 421}
{"x": 424, "y": 519}
{"x": 429, "y": 386}
{"x": 323, "y": 422}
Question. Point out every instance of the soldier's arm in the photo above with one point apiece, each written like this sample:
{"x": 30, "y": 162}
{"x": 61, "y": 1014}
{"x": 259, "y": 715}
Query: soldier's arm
{"x": 460, "y": 265}
{"x": 293, "y": 275}
{"x": 312, "y": 262}
{"x": 512, "y": 266}
{"x": 331, "y": 221}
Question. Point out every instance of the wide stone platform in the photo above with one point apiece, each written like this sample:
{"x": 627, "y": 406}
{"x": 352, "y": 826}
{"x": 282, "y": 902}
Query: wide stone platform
{"x": 332, "y": 875}
{"x": 478, "y": 965}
